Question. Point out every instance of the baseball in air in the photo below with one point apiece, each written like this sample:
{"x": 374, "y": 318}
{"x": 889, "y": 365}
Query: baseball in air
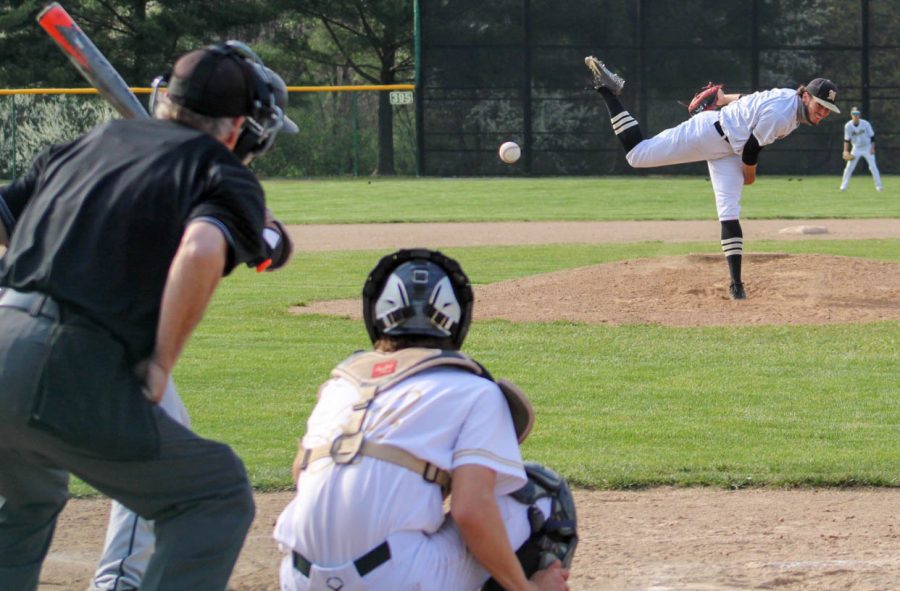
{"x": 510, "y": 152}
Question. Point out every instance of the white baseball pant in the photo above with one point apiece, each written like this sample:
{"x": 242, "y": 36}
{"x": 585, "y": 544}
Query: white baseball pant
{"x": 851, "y": 166}
{"x": 696, "y": 140}
{"x": 129, "y": 538}
{"x": 419, "y": 562}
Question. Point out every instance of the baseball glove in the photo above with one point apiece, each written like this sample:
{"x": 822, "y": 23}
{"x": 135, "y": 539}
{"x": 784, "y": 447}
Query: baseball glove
{"x": 847, "y": 156}
{"x": 705, "y": 99}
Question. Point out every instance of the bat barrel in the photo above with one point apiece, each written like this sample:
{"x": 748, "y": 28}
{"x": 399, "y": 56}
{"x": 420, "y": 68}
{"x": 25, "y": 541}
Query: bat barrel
{"x": 92, "y": 64}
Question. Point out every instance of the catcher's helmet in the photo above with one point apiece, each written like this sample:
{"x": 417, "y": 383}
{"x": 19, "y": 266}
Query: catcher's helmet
{"x": 230, "y": 80}
{"x": 417, "y": 292}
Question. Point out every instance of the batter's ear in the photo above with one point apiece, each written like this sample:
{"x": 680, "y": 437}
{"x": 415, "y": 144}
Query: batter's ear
{"x": 231, "y": 137}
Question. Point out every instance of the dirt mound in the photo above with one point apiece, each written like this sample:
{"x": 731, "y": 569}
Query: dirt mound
{"x": 690, "y": 290}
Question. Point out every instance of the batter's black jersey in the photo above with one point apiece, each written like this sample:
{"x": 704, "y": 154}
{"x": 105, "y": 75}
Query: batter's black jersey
{"x": 96, "y": 222}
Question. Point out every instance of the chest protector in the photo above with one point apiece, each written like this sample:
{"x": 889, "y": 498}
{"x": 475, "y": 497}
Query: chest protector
{"x": 372, "y": 372}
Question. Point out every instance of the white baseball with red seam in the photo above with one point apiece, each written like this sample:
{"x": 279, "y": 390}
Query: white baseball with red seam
{"x": 510, "y": 152}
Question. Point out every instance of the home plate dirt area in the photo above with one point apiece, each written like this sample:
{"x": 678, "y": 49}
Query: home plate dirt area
{"x": 661, "y": 539}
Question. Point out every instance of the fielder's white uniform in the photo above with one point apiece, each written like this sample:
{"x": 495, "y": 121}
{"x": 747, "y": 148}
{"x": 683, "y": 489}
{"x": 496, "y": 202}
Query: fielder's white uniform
{"x": 130, "y": 540}
{"x": 445, "y": 416}
{"x": 860, "y": 138}
{"x": 769, "y": 115}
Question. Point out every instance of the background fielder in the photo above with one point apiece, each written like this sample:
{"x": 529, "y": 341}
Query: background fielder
{"x": 859, "y": 133}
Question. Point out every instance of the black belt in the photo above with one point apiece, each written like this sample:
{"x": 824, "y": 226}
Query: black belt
{"x": 33, "y": 302}
{"x": 718, "y": 127}
{"x": 364, "y": 564}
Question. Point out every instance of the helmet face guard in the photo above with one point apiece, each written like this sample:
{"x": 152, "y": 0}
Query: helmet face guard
{"x": 418, "y": 292}
{"x": 266, "y": 117}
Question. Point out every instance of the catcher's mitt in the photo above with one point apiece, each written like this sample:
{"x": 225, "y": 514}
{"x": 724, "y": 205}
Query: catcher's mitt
{"x": 705, "y": 99}
{"x": 847, "y": 156}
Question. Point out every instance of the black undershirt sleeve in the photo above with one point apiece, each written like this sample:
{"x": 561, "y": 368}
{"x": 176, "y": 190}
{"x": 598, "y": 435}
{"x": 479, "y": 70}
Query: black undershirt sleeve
{"x": 750, "y": 155}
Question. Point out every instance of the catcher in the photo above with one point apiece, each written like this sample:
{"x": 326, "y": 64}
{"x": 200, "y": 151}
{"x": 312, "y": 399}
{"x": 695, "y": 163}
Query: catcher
{"x": 397, "y": 429}
{"x": 726, "y": 130}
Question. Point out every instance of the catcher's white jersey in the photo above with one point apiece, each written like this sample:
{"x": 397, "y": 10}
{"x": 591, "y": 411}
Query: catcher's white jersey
{"x": 769, "y": 115}
{"x": 446, "y": 416}
{"x": 860, "y": 136}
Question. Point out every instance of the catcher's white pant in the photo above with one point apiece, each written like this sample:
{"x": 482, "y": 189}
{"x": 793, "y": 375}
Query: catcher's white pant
{"x": 696, "y": 140}
{"x": 129, "y": 538}
{"x": 851, "y": 166}
{"x": 418, "y": 562}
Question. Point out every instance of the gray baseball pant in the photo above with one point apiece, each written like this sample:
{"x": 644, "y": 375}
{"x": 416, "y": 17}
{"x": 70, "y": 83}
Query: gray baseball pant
{"x": 195, "y": 490}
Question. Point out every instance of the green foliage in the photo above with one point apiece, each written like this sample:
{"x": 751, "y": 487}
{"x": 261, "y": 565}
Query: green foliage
{"x": 44, "y": 120}
{"x": 326, "y": 146}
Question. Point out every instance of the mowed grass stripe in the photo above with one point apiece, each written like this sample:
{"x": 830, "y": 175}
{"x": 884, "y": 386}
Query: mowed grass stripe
{"x": 381, "y": 200}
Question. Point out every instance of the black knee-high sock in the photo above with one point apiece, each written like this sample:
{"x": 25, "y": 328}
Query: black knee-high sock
{"x": 733, "y": 247}
{"x": 626, "y": 127}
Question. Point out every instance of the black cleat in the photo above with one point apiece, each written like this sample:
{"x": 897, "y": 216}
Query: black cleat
{"x": 603, "y": 77}
{"x": 736, "y": 291}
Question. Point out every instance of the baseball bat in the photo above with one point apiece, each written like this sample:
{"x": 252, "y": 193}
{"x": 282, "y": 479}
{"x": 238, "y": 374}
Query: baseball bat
{"x": 92, "y": 64}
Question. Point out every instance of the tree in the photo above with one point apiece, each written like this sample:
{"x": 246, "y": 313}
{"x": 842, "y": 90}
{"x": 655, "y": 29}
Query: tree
{"x": 373, "y": 39}
{"x": 140, "y": 37}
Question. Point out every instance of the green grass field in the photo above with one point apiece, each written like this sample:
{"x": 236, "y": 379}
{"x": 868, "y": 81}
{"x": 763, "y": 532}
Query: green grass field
{"x": 608, "y": 198}
{"x": 618, "y": 407}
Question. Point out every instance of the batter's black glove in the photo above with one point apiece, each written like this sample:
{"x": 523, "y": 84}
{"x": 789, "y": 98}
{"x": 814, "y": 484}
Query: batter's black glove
{"x": 705, "y": 99}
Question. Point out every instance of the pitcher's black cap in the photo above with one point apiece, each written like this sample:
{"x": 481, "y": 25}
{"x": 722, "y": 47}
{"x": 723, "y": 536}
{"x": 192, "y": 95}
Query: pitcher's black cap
{"x": 824, "y": 92}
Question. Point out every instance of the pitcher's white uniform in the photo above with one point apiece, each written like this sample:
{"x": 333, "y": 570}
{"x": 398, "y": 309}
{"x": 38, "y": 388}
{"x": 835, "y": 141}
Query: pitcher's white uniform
{"x": 860, "y": 138}
{"x": 446, "y": 416}
{"x": 769, "y": 115}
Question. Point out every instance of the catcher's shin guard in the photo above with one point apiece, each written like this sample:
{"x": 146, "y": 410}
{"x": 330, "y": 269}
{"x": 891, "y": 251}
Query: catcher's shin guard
{"x": 553, "y": 537}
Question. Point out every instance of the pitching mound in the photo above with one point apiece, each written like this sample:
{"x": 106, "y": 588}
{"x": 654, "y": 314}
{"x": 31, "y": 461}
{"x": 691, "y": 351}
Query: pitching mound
{"x": 689, "y": 290}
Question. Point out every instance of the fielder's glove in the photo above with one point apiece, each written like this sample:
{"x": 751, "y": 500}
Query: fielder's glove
{"x": 847, "y": 156}
{"x": 705, "y": 99}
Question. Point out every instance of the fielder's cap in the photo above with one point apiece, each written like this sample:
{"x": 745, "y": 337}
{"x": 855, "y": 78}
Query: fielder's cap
{"x": 855, "y": 111}
{"x": 212, "y": 83}
{"x": 824, "y": 92}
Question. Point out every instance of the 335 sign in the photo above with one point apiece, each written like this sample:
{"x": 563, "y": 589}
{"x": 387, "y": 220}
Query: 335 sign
{"x": 401, "y": 97}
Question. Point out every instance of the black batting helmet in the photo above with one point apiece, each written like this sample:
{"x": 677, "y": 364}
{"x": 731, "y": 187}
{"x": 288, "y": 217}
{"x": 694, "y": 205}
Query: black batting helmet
{"x": 229, "y": 80}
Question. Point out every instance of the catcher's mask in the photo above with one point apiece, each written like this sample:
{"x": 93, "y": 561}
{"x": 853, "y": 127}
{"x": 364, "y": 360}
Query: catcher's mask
{"x": 230, "y": 80}
{"x": 418, "y": 292}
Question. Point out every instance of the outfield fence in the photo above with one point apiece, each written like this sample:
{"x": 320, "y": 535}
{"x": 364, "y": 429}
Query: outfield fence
{"x": 514, "y": 70}
{"x": 338, "y": 128}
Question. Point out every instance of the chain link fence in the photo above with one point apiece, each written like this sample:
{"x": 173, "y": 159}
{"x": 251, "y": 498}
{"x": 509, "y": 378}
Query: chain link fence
{"x": 338, "y": 132}
{"x": 514, "y": 70}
